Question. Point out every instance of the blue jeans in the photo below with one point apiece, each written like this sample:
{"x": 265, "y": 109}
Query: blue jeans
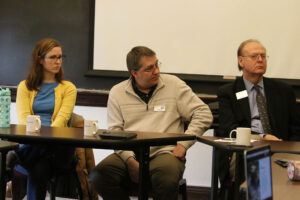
{"x": 41, "y": 162}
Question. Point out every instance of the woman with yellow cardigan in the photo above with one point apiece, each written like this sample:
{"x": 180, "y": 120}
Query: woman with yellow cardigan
{"x": 47, "y": 94}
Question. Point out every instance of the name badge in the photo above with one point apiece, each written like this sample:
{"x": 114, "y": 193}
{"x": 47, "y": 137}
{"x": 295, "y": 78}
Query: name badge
{"x": 241, "y": 94}
{"x": 159, "y": 108}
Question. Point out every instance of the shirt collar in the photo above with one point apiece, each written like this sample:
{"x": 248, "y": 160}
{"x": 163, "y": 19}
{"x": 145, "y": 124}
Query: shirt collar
{"x": 129, "y": 86}
{"x": 145, "y": 97}
{"x": 249, "y": 85}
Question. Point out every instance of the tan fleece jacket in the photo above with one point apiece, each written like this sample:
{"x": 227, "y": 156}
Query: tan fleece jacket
{"x": 127, "y": 111}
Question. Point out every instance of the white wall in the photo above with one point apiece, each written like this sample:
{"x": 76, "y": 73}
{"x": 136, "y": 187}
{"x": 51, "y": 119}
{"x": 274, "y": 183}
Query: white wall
{"x": 198, "y": 166}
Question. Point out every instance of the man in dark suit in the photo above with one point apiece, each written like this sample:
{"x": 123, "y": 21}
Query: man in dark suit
{"x": 238, "y": 105}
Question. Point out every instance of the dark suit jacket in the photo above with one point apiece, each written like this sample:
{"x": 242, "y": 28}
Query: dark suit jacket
{"x": 281, "y": 107}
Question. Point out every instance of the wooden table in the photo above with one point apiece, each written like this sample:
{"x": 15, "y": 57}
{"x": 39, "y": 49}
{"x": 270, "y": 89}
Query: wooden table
{"x": 283, "y": 188}
{"x": 4, "y": 148}
{"x": 281, "y": 146}
{"x": 75, "y": 137}
{"x": 276, "y": 147}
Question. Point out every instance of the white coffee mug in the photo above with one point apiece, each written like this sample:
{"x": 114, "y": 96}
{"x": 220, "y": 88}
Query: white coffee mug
{"x": 33, "y": 123}
{"x": 243, "y": 136}
{"x": 90, "y": 127}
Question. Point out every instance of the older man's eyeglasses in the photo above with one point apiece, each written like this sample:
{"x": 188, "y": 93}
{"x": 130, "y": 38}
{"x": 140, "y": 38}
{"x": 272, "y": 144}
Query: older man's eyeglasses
{"x": 55, "y": 58}
{"x": 257, "y": 56}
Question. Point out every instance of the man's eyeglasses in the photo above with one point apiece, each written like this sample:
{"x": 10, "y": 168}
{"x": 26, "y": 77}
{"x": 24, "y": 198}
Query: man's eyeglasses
{"x": 55, "y": 58}
{"x": 153, "y": 67}
{"x": 256, "y": 57}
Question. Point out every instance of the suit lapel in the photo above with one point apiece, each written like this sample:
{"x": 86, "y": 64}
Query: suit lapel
{"x": 243, "y": 104}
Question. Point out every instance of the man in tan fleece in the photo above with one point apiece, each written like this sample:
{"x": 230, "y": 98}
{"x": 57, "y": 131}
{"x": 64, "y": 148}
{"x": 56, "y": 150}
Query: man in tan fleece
{"x": 149, "y": 101}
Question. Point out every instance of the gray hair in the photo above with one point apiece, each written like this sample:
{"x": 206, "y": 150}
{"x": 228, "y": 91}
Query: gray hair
{"x": 242, "y": 45}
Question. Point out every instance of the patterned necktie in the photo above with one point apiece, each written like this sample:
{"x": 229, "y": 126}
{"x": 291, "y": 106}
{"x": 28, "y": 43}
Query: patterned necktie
{"x": 262, "y": 110}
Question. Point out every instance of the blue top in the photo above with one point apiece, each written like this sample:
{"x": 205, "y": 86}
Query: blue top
{"x": 44, "y": 102}
{"x": 256, "y": 125}
{"x": 43, "y": 105}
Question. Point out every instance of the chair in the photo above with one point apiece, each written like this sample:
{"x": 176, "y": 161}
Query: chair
{"x": 182, "y": 190}
{"x": 85, "y": 162}
{"x": 65, "y": 184}
{"x": 80, "y": 188}
{"x": 18, "y": 185}
{"x": 214, "y": 107}
{"x": 218, "y": 157}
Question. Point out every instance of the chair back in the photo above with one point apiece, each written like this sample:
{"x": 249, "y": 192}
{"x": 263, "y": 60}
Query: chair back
{"x": 85, "y": 161}
{"x": 76, "y": 121}
{"x": 214, "y": 107}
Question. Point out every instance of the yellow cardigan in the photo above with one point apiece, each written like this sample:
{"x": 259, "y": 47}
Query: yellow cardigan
{"x": 65, "y": 97}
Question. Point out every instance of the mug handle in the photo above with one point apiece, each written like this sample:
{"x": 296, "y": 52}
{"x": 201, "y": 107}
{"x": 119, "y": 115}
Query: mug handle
{"x": 230, "y": 134}
{"x": 39, "y": 123}
{"x": 95, "y": 125}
